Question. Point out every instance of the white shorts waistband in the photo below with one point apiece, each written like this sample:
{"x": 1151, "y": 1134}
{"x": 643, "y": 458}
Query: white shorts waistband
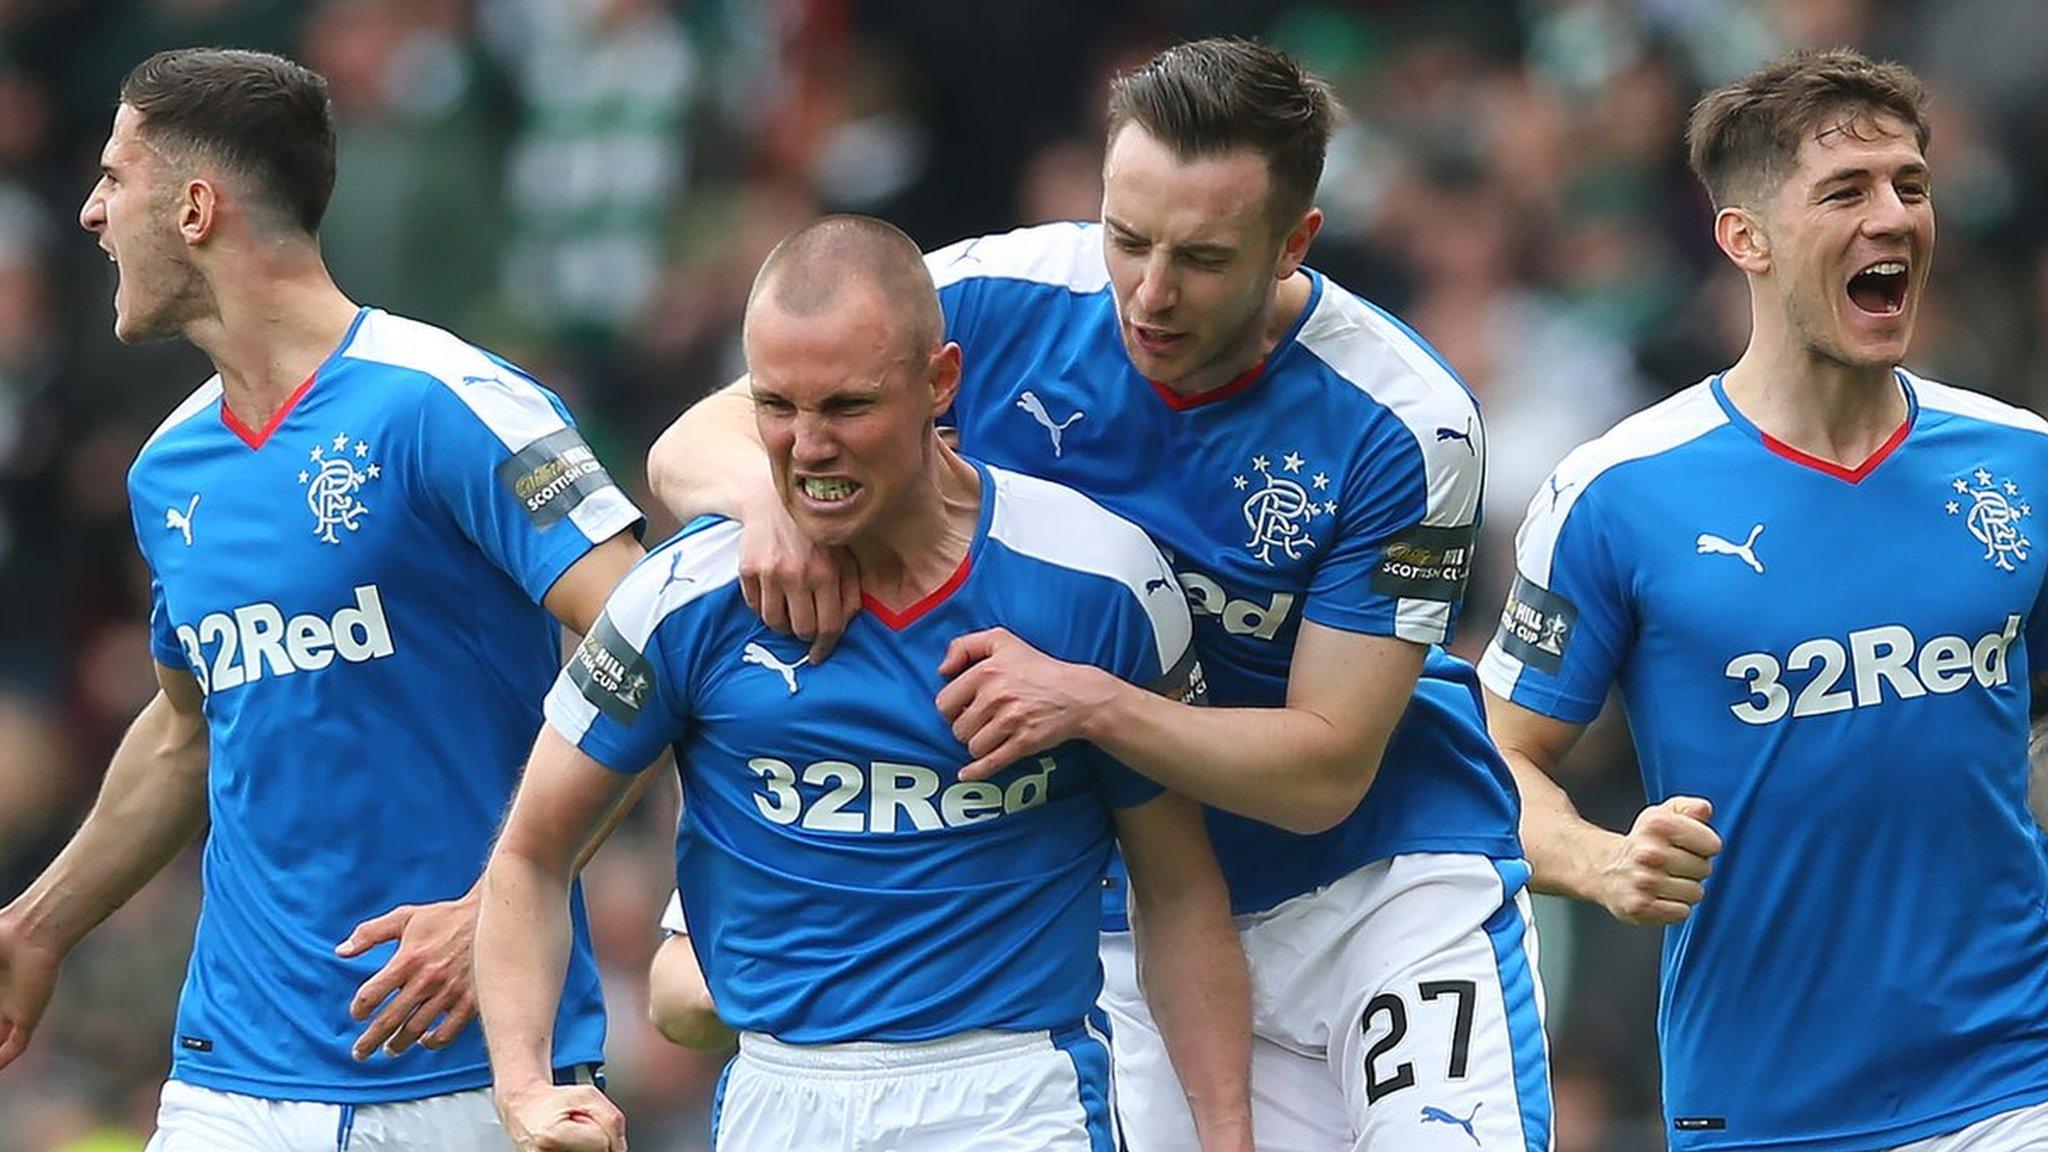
{"x": 861, "y": 1058}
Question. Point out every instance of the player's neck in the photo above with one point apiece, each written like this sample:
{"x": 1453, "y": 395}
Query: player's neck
{"x": 923, "y": 545}
{"x": 1824, "y": 408}
{"x": 271, "y": 329}
{"x": 1288, "y": 300}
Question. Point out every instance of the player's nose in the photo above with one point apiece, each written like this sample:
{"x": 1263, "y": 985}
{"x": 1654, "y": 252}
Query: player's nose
{"x": 92, "y": 215}
{"x": 1156, "y": 291}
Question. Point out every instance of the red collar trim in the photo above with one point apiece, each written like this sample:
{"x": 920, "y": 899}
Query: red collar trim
{"x": 255, "y": 438}
{"x": 1851, "y": 475}
{"x": 1180, "y": 403}
{"x": 898, "y": 621}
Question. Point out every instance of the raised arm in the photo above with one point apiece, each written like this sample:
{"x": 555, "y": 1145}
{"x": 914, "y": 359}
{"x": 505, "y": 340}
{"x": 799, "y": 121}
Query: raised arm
{"x": 151, "y": 804}
{"x": 522, "y": 947}
{"x": 1190, "y": 965}
{"x": 710, "y": 463}
{"x": 1303, "y": 766}
{"x": 1651, "y": 875}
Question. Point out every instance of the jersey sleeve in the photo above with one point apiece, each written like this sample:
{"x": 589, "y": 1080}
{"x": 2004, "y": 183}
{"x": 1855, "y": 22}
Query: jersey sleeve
{"x": 1156, "y": 649}
{"x": 503, "y": 459}
{"x": 1568, "y": 623}
{"x": 164, "y": 644}
{"x": 624, "y": 695}
{"x": 1407, "y": 517}
{"x": 953, "y": 273}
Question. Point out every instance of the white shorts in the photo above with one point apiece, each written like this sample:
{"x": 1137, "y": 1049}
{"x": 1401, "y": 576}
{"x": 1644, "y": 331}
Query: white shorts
{"x": 1392, "y": 1009}
{"x": 986, "y": 1091}
{"x": 195, "y": 1119}
{"x": 2019, "y": 1130}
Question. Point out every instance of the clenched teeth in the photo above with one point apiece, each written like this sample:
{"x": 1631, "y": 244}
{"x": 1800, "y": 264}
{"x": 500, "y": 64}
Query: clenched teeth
{"x": 826, "y": 490}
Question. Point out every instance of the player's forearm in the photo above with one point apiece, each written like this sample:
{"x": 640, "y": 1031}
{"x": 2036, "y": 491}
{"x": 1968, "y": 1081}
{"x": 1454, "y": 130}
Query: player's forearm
{"x": 523, "y": 939}
{"x": 151, "y": 804}
{"x": 1196, "y": 984}
{"x": 1565, "y": 851}
{"x": 709, "y": 462}
{"x": 1286, "y": 766}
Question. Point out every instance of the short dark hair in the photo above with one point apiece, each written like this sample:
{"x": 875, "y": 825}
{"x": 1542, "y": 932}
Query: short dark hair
{"x": 806, "y": 274}
{"x": 1743, "y": 138}
{"x": 261, "y": 115}
{"x": 1210, "y": 96}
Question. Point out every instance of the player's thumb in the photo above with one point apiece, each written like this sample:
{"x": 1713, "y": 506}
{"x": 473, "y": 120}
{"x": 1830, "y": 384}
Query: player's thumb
{"x": 1694, "y": 807}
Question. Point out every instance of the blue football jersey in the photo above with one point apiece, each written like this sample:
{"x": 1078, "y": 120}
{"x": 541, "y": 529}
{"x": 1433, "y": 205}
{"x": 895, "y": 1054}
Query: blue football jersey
{"x": 1338, "y": 483}
{"x": 1838, "y": 661}
{"x": 842, "y": 882}
{"x": 356, "y": 587}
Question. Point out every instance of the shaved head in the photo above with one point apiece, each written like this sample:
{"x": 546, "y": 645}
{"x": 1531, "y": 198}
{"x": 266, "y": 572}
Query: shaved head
{"x": 816, "y": 267}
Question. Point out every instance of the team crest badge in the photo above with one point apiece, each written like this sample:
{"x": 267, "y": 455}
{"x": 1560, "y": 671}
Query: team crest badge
{"x": 1995, "y": 514}
{"x": 1282, "y": 509}
{"x": 338, "y": 469}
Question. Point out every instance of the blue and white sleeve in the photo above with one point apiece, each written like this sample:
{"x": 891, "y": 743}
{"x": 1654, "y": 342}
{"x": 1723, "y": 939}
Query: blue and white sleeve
{"x": 622, "y": 697}
{"x": 1407, "y": 517}
{"x": 1568, "y": 623}
{"x": 503, "y": 459}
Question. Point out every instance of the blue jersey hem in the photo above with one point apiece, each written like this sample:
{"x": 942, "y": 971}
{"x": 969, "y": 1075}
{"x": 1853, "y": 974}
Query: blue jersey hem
{"x": 1943, "y": 1125}
{"x": 1498, "y": 847}
{"x": 384, "y": 1091}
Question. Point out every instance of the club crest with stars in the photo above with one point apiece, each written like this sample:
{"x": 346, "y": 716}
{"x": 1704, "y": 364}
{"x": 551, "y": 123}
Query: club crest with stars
{"x": 334, "y": 478}
{"x": 1994, "y": 511}
{"x": 1281, "y": 510}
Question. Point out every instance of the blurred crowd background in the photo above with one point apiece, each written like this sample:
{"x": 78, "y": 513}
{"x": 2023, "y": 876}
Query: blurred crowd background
{"x": 587, "y": 185}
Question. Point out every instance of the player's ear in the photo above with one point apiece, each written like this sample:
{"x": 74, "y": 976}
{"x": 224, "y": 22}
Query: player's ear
{"x": 944, "y": 376}
{"x": 198, "y": 211}
{"x": 1741, "y": 236}
{"x": 1294, "y": 246}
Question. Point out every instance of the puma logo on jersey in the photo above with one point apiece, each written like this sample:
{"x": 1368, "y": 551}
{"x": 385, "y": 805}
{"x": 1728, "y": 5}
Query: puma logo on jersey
{"x": 181, "y": 522}
{"x": 1710, "y": 544}
{"x": 756, "y": 654}
{"x": 1029, "y": 402}
{"x": 1447, "y": 434}
{"x": 885, "y": 798}
{"x": 1435, "y": 1115}
{"x": 1888, "y": 656}
{"x": 256, "y": 640}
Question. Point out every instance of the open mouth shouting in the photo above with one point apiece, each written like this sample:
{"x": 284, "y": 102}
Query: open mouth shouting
{"x": 1880, "y": 288}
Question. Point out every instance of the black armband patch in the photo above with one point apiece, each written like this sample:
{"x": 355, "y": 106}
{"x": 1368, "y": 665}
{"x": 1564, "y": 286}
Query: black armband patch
{"x": 552, "y": 475}
{"x": 1426, "y": 563}
{"x": 611, "y": 673}
{"x": 1536, "y": 626}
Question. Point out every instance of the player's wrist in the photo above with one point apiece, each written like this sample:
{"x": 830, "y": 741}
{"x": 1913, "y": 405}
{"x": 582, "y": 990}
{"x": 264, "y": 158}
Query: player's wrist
{"x": 1105, "y": 702}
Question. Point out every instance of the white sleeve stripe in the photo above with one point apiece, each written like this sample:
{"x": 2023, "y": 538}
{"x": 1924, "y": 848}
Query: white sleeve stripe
{"x": 508, "y": 403}
{"x": 1422, "y": 621}
{"x": 1061, "y": 527}
{"x": 671, "y": 576}
{"x": 192, "y": 405}
{"x": 1498, "y": 671}
{"x": 567, "y": 710}
{"x": 1064, "y": 255}
{"x": 1938, "y": 397}
{"x": 1654, "y": 431}
{"x": 604, "y": 514}
{"x": 1370, "y": 351}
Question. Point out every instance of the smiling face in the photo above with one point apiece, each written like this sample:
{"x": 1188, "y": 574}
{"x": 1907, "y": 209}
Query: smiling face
{"x": 1195, "y": 259}
{"x": 1850, "y": 234}
{"x": 133, "y": 209}
{"x": 844, "y": 405}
